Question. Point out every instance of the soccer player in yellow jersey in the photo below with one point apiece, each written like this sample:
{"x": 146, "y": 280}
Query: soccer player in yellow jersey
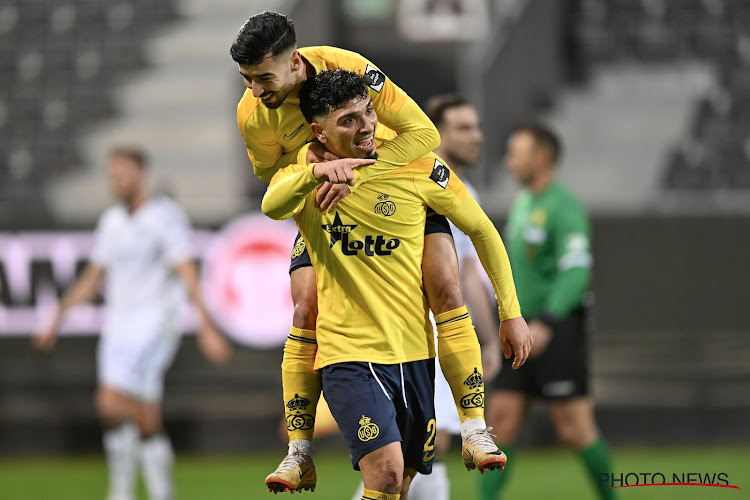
{"x": 375, "y": 342}
{"x": 277, "y": 139}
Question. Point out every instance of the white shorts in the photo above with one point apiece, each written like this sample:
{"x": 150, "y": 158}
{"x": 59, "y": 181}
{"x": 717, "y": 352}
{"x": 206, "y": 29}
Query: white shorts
{"x": 136, "y": 366}
{"x": 446, "y": 414}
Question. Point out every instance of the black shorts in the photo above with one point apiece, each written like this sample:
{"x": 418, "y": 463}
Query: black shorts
{"x": 435, "y": 223}
{"x": 561, "y": 372}
{"x": 375, "y": 405}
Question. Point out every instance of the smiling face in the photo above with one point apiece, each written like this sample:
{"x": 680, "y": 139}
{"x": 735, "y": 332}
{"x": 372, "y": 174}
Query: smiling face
{"x": 349, "y": 131}
{"x": 273, "y": 78}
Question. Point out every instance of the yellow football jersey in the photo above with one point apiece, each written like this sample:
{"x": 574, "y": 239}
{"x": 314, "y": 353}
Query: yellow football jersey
{"x": 368, "y": 258}
{"x": 274, "y": 137}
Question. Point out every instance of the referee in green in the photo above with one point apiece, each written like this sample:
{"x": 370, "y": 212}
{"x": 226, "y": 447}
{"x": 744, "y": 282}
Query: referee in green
{"x": 548, "y": 237}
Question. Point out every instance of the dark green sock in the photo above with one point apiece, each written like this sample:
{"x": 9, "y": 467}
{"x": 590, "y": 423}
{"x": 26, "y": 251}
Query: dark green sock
{"x": 491, "y": 482}
{"x": 598, "y": 460}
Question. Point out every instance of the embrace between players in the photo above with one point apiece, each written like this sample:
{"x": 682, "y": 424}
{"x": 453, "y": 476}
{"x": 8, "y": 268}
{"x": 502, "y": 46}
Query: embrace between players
{"x": 349, "y": 155}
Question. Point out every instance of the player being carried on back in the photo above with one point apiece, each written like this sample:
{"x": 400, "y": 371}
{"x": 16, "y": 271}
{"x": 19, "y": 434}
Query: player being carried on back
{"x": 375, "y": 341}
{"x": 278, "y": 139}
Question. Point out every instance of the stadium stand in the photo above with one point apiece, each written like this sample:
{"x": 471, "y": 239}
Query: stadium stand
{"x": 58, "y": 61}
{"x": 715, "y": 152}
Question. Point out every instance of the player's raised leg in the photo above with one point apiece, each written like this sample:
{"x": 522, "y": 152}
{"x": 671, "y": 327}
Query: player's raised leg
{"x": 300, "y": 382}
{"x": 458, "y": 347}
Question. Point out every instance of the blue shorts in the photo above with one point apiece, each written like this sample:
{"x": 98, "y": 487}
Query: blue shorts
{"x": 435, "y": 223}
{"x": 375, "y": 405}
{"x": 300, "y": 257}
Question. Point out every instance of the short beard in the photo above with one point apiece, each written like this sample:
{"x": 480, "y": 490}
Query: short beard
{"x": 372, "y": 155}
{"x": 278, "y": 103}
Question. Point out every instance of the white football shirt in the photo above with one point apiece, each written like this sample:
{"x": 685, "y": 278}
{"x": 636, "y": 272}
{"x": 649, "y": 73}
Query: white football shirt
{"x": 139, "y": 253}
{"x": 464, "y": 246}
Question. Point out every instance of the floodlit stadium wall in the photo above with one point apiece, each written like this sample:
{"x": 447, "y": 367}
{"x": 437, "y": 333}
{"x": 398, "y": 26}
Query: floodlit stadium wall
{"x": 671, "y": 344}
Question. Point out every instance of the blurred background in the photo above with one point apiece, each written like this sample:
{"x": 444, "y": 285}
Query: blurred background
{"x": 651, "y": 98}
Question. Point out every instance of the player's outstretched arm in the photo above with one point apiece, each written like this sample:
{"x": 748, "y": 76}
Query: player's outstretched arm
{"x": 442, "y": 190}
{"x": 214, "y": 346}
{"x": 286, "y": 194}
{"x": 471, "y": 219}
{"x": 83, "y": 289}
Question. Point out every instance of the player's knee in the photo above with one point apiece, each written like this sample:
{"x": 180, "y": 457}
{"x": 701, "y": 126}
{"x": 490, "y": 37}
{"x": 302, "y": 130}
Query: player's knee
{"x": 575, "y": 425}
{"x": 390, "y": 479}
{"x": 567, "y": 434}
{"x": 446, "y": 297}
{"x": 305, "y": 313}
{"x": 108, "y": 407}
{"x": 573, "y": 432}
{"x": 505, "y": 420}
{"x": 149, "y": 425}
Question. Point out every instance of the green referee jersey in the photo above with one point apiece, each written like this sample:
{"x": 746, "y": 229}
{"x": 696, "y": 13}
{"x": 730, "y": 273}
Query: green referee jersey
{"x": 548, "y": 237}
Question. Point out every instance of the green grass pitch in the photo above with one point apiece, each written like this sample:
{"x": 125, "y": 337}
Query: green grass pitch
{"x": 539, "y": 474}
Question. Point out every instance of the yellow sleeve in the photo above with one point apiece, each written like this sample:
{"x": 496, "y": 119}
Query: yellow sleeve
{"x": 288, "y": 190}
{"x": 266, "y": 155}
{"x": 417, "y": 135}
{"x": 443, "y": 191}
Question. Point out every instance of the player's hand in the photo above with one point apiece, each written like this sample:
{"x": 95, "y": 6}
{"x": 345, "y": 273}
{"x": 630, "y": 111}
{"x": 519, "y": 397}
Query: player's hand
{"x": 491, "y": 363}
{"x": 45, "y": 340}
{"x": 542, "y": 334}
{"x": 340, "y": 171}
{"x": 317, "y": 153}
{"x": 515, "y": 333}
{"x": 213, "y": 345}
{"x": 329, "y": 195}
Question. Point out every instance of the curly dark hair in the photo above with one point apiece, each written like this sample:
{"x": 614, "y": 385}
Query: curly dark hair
{"x": 328, "y": 91}
{"x": 263, "y": 34}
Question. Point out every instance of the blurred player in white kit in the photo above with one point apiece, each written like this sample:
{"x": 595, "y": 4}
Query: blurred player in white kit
{"x": 143, "y": 251}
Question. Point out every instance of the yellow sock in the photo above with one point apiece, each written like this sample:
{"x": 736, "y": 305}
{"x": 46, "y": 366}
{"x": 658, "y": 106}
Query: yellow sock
{"x": 461, "y": 361}
{"x": 300, "y": 383}
{"x": 376, "y": 495}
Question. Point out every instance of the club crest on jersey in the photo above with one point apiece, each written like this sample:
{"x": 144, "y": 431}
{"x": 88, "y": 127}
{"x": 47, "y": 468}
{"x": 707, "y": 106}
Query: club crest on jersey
{"x": 371, "y": 245}
{"x": 374, "y": 78}
{"x": 440, "y": 174}
{"x": 385, "y": 207}
{"x": 367, "y": 430}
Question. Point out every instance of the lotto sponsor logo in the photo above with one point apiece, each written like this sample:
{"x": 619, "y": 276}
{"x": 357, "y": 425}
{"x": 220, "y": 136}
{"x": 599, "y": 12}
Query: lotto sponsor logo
{"x": 370, "y": 245}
